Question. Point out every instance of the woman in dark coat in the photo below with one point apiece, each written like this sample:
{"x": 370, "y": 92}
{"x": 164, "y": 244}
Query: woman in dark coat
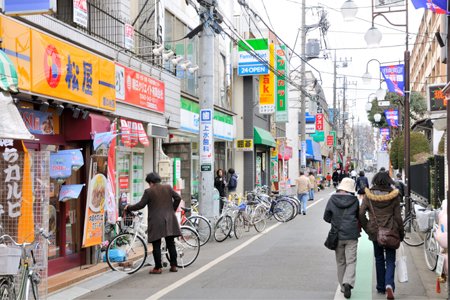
{"x": 220, "y": 184}
{"x": 161, "y": 201}
{"x": 342, "y": 212}
{"x": 386, "y": 205}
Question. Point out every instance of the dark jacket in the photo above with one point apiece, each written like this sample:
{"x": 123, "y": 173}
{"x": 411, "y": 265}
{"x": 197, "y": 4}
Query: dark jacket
{"x": 219, "y": 184}
{"x": 386, "y": 203}
{"x": 335, "y": 176}
{"x": 232, "y": 183}
{"x": 400, "y": 186}
{"x": 361, "y": 184}
{"x": 346, "y": 223}
{"x": 161, "y": 201}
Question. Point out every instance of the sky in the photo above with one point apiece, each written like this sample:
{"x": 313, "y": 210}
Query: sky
{"x": 285, "y": 18}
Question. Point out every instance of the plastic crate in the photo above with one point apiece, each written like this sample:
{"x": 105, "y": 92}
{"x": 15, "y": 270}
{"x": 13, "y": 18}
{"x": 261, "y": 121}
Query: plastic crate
{"x": 9, "y": 260}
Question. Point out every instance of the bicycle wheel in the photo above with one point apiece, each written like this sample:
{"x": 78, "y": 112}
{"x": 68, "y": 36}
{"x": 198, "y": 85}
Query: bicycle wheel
{"x": 414, "y": 237}
{"x": 259, "y": 219}
{"x": 223, "y": 228}
{"x": 283, "y": 211}
{"x": 239, "y": 225}
{"x": 202, "y": 226}
{"x": 431, "y": 250}
{"x": 7, "y": 289}
{"x": 188, "y": 247}
{"x": 126, "y": 253}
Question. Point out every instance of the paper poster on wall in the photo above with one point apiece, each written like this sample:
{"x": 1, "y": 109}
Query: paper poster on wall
{"x": 93, "y": 222}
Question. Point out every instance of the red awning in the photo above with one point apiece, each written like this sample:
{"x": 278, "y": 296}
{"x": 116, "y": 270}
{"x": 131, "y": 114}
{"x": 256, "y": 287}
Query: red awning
{"x": 287, "y": 153}
{"x": 81, "y": 130}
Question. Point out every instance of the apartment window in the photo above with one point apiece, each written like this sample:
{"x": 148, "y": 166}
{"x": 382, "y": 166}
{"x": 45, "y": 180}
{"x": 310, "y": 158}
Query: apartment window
{"x": 188, "y": 48}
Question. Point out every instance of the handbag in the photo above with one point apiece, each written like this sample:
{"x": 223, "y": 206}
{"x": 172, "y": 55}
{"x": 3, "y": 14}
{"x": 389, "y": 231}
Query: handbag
{"x": 332, "y": 239}
{"x": 401, "y": 268}
{"x": 386, "y": 237}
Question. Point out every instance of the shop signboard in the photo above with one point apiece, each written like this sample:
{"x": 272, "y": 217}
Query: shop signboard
{"x": 206, "y": 138}
{"x": 138, "y": 89}
{"x": 258, "y": 171}
{"x": 123, "y": 182}
{"x": 303, "y": 154}
{"x": 244, "y": 145}
{"x": 274, "y": 165}
{"x": 319, "y": 122}
{"x": 330, "y": 140}
{"x": 248, "y": 64}
{"x": 129, "y": 36}
{"x": 93, "y": 222}
{"x": 70, "y": 191}
{"x": 30, "y": 7}
{"x": 436, "y": 98}
{"x": 267, "y": 87}
{"x": 310, "y": 128}
{"x": 80, "y": 12}
{"x": 38, "y": 122}
{"x": 281, "y": 114}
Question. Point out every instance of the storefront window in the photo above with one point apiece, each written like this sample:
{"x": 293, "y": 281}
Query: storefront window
{"x": 130, "y": 172}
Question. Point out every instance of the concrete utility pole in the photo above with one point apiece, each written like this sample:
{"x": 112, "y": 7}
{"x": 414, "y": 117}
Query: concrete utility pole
{"x": 206, "y": 138}
{"x": 302, "y": 95}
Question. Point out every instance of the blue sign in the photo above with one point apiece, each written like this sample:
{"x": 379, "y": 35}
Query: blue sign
{"x": 103, "y": 138}
{"x": 394, "y": 77}
{"x": 206, "y": 115}
{"x": 60, "y": 166}
{"x": 252, "y": 69}
{"x": 70, "y": 191}
{"x": 29, "y": 7}
{"x": 391, "y": 117}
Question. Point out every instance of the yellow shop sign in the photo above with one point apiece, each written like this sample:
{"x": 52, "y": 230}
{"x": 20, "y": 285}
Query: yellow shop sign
{"x": 59, "y": 69}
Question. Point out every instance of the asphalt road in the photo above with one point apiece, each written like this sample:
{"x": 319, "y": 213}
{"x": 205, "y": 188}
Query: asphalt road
{"x": 287, "y": 261}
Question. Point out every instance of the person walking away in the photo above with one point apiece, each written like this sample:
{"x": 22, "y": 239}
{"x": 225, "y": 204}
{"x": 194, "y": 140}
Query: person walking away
{"x": 361, "y": 184}
{"x": 232, "y": 181}
{"x": 313, "y": 188}
{"x": 335, "y": 178}
{"x": 353, "y": 174}
{"x": 220, "y": 184}
{"x": 303, "y": 187}
{"x": 328, "y": 178}
{"x": 398, "y": 182}
{"x": 161, "y": 201}
{"x": 342, "y": 212}
{"x": 383, "y": 204}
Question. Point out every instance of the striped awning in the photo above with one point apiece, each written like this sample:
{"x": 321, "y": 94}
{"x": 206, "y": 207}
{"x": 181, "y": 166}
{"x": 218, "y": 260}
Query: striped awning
{"x": 9, "y": 81}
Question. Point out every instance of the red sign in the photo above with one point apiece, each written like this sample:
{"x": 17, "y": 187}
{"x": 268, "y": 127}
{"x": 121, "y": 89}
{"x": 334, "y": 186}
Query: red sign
{"x": 132, "y": 133}
{"x": 319, "y": 122}
{"x": 138, "y": 89}
{"x": 123, "y": 182}
{"x": 330, "y": 140}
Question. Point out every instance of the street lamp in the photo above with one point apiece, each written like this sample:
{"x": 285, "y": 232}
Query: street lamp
{"x": 377, "y": 117}
{"x": 369, "y": 103}
{"x": 349, "y": 10}
{"x": 367, "y": 77}
{"x": 373, "y": 37}
{"x": 381, "y": 93}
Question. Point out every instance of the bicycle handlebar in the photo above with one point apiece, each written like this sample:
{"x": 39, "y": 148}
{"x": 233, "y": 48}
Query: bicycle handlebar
{"x": 25, "y": 244}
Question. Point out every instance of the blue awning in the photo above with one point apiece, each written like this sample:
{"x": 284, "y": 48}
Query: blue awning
{"x": 313, "y": 150}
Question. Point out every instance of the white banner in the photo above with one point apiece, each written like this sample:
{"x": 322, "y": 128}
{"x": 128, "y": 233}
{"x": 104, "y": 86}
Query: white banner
{"x": 80, "y": 12}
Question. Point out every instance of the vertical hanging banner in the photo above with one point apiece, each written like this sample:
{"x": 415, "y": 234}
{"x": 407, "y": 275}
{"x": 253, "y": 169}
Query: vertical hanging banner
{"x": 267, "y": 87}
{"x": 142, "y": 135}
{"x": 274, "y": 165}
{"x": 391, "y": 117}
{"x": 125, "y": 132}
{"x": 129, "y": 36}
{"x": 394, "y": 77}
{"x": 281, "y": 114}
{"x": 80, "y": 12}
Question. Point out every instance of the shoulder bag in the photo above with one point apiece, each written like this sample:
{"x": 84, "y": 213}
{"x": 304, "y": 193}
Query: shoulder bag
{"x": 386, "y": 237}
{"x": 332, "y": 239}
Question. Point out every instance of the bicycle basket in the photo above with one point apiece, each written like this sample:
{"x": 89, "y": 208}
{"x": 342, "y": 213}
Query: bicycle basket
{"x": 127, "y": 220}
{"x": 9, "y": 260}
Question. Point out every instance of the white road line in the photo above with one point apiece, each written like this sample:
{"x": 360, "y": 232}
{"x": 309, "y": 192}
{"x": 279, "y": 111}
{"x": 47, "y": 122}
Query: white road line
{"x": 211, "y": 264}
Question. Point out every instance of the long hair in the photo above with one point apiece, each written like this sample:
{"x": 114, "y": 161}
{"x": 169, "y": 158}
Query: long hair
{"x": 382, "y": 179}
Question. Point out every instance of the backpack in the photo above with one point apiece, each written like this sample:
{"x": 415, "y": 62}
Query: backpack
{"x": 233, "y": 182}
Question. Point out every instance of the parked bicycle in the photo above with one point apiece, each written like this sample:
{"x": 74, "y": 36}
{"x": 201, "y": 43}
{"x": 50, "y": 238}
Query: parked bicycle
{"x": 127, "y": 252}
{"x": 224, "y": 224}
{"x": 200, "y": 223}
{"x": 251, "y": 214}
{"x": 414, "y": 237}
{"x": 431, "y": 247}
{"x": 19, "y": 259}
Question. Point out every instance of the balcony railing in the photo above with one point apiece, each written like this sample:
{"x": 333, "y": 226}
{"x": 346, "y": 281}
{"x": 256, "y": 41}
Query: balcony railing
{"x": 110, "y": 29}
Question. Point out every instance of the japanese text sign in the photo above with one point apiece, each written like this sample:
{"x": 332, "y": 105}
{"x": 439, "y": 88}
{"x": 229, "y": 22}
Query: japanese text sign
{"x": 244, "y": 145}
{"x": 267, "y": 88}
{"x": 80, "y": 12}
{"x": 393, "y": 75}
{"x": 62, "y": 70}
{"x": 330, "y": 140}
{"x": 138, "y": 89}
{"x": 129, "y": 36}
{"x": 93, "y": 222}
{"x": 248, "y": 64}
{"x": 319, "y": 122}
{"x": 391, "y": 117}
{"x": 436, "y": 98}
{"x": 281, "y": 114}
{"x": 206, "y": 137}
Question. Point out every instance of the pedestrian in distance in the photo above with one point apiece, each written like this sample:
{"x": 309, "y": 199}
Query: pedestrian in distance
{"x": 232, "y": 181}
{"x": 328, "y": 178}
{"x": 342, "y": 212}
{"x": 162, "y": 202}
{"x": 303, "y": 187}
{"x": 353, "y": 174}
{"x": 220, "y": 185}
{"x": 361, "y": 184}
{"x": 312, "y": 180}
{"x": 335, "y": 178}
{"x": 382, "y": 202}
{"x": 400, "y": 186}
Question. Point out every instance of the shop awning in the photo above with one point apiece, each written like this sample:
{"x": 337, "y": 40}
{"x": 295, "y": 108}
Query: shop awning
{"x": 263, "y": 137}
{"x": 84, "y": 129}
{"x": 11, "y": 123}
{"x": 313, "y": 150}
{"x": 8, "y": 75}
{"x": 287, "y": 153}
